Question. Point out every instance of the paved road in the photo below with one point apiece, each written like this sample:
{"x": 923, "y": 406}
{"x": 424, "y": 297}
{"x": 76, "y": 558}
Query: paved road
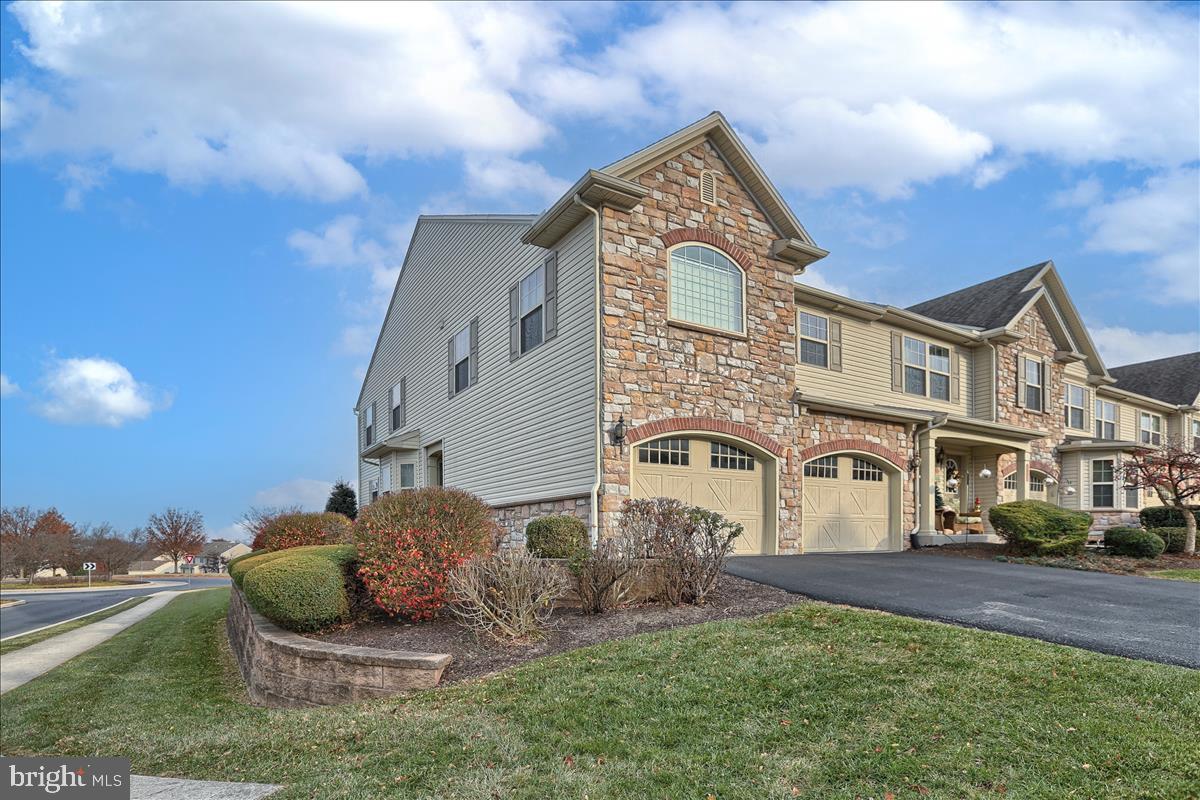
{"x": 41, "y": 610}
{"x": 1148, "y": 618}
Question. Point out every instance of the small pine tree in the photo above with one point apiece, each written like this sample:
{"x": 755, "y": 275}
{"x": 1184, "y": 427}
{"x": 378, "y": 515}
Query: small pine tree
{"x": 342, "y": 500}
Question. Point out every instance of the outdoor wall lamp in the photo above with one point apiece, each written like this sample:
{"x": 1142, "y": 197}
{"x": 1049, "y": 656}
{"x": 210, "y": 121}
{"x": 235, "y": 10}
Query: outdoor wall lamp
{"x": 1070, "y": 490}
{"x": 1050, "y": 481}
{"x": 618, "y": 432}
{"x": 985, "y": 473}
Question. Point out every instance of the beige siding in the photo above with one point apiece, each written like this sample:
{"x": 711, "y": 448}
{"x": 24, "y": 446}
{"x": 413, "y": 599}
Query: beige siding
{"x": 1070, "y": 477}
{"x": 983, "y": 383}
{"x": 525, "y": 431}
{"x": 866, "y": 374}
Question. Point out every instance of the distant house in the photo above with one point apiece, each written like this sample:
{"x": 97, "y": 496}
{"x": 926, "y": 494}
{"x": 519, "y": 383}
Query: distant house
{"x": 162, "y": 565}
{"x": 215, "y": 555}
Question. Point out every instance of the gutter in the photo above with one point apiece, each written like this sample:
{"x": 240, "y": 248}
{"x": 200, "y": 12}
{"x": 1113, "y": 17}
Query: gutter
{"x": 593, "y": 505}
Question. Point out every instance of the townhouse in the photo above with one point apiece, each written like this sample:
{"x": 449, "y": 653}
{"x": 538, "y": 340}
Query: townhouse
{"x": 646, "y": 336}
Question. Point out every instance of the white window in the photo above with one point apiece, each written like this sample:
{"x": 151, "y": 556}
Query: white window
{"x": 1103, "y": 483}
{"x": 398, "y": 406}
{"x": 369, "y": 424}
{"x": 725, "y": 456}
{"x": 408, "y": 476}
{"x": 1037, "y": 482}
{"x": 1196, "y": 434}
{"x": 706, "y": 288}
{"x": 1034, "y": 381}
{"x": 814, "y": 340}
{"x": 462, "y": 359}
{"x": 531, "y": 309}
{"x": 1010, "y": 481}
{"x": 926, "y": 369}
{"x": 1150, "y": 429}
{"x": 863, "y": 470}
{"x": 665, "y": 451}
{"x": 1132, "y": 497}
{"x": 1074, "y": 398}
{"x": 1106, "y": 420}
{"x": 823, "y": 467}
{"x": 385, "y": 478}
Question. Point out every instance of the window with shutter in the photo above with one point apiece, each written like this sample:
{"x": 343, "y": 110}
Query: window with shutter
{"x": 460, "y": 360}
{"x": 369, "y": 425}
{"x": 814, "y": 340}
{"x": 1034, "y": 384}
{"x": 927, "y": 369}
{"x": 398, "y": 406}
{"x": 530, "y": 309}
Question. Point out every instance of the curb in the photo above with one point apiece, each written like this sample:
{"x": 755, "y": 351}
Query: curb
{"x": 13, "y": 604}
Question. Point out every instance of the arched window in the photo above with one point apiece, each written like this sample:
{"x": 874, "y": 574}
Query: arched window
{"x": 706, "y": 288}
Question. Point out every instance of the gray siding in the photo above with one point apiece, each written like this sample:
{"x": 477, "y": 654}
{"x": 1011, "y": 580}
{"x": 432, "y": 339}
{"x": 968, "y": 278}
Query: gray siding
{"x": 526, "y": 430}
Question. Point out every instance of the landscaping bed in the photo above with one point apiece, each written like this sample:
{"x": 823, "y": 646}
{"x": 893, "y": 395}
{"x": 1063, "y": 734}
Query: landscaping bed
{"x": 1088, "y": 561}
{"x": 568, "y": 629}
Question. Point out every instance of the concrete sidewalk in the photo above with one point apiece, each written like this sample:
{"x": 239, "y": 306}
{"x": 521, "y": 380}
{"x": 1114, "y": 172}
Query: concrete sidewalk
{"x": 147, "y": 788}
{"x": 22, "y": 666}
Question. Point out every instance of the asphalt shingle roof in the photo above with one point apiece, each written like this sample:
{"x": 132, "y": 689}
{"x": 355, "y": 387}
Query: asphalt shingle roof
{"x": 987, "y": 305}
{"x": 1173, "y": 380}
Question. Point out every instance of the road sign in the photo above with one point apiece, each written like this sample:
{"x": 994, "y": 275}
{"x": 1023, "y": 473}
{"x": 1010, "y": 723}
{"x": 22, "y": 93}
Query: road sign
{"x": 89, "y": 566}
{"x": 189, "y": 558}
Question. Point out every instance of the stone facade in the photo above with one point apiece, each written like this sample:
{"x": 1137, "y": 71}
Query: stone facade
{"x": 513, "y": 519}
{"x": 655, "y": 369}
{"x": 285, "y": 670}
{"x": 1038, "y": 341}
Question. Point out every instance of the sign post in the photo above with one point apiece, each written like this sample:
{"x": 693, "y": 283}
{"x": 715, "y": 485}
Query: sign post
{"x": 189, "y": 558}
{"x": 89, "y": 567}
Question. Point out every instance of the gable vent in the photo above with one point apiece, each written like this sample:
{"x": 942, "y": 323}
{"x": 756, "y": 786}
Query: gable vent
{"x": 708, "y": 188}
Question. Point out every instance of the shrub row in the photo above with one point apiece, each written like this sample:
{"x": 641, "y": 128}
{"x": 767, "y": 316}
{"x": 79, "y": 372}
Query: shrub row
{"x": 303, "y": 588}
{"x": 303, "y": 529}
{"x": 1032, "y": 527}
{"x": 1133, "y": 542}
{"x": 1165, "y": 517}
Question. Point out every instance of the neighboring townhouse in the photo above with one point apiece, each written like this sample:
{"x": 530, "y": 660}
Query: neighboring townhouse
{"x": 215, "y": 555}
{"x": 646, "y": 336}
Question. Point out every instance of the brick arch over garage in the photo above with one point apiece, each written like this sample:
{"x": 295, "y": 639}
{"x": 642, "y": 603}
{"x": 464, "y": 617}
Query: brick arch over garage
{"x": 679, "y": 235}
{"x": 1043, "y": 467}
{"x": 661, "y": 427}
{"x": 861, "y": 445}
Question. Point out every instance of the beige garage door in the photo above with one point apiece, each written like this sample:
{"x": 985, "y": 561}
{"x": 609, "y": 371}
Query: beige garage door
{"x": 846, "y": 506}
{"x": 709, "y": 474}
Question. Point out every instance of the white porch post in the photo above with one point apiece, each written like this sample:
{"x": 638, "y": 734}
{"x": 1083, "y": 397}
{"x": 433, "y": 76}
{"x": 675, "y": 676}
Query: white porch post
{"x": 928, "y": 450}
{"x": 1022, "y": 474}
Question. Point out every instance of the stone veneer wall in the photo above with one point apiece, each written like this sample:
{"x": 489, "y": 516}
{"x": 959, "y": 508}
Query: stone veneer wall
{"x": 1037, "y": 340}
{"x": 285, "y": 670}
{"x": 513, "y": 519}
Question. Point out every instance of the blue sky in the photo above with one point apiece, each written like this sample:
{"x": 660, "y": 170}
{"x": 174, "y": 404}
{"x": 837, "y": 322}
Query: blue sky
{"x": 205, "y": 207}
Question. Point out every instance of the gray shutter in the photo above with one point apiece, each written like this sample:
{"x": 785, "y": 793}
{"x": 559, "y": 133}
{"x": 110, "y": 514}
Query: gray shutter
{"x": 550, "y": 309}
{"x": 474, "y": 351}
{"x": 1089, "y": 409}
{"x": 450, "y": 364}
{"x": 403, "y": 403}
{"x": 897, "y": 363}
{"x": 1021, "y": 381}
{"x": 955, "y": 374}
{"x": 835, "y": 345}
{"x": 514, "y": 321}
{"x": 1046, "y": 385}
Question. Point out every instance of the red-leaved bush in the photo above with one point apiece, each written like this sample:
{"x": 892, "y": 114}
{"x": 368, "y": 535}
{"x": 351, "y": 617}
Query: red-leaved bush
{"x": 300, "y": 530}
{"x": 409, "y": 542}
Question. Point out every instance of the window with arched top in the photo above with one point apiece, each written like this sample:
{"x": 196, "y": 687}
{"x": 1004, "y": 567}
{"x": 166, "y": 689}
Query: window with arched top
{"x": 707, "y": 288}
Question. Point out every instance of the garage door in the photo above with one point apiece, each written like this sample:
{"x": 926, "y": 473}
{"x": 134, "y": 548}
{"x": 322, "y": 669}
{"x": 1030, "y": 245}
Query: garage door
{"x": 709, "y": 474}
{"x": 846, "y": 506}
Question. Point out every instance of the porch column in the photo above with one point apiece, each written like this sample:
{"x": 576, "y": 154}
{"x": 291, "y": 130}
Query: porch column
{"x": 1022, "y": 474}
{"x": 927, "y": 447}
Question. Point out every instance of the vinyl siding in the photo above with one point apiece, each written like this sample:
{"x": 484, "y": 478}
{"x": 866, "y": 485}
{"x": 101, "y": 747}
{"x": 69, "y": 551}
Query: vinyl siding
{"x": 1070, "y": 477}
{"x": 983, "y": 383}
{"x": 525, "y": 430}
{"x": 866, "y": 375}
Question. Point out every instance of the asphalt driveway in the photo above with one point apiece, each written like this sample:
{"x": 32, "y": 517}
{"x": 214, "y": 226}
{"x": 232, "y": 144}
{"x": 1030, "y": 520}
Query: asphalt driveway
{"x": 1148, "y": 618}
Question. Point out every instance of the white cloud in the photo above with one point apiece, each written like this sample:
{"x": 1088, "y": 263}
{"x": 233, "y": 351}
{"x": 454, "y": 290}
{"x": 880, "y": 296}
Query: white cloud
{"x": 80, "y": 179}
{"x": 7, "y": 387}
{"x": 1083, "y": 194}
{"x": 1119, "y": 345}
{"x": 95, "y": 391}
{"x": 307, "y": 493}
{"x": 1158, "y": 223}
{"x": 494, "y": 177}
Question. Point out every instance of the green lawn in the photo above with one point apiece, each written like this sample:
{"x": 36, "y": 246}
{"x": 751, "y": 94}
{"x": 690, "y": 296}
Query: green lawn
{"x": 40, "y": 636}
{"x": 1177, "y": 574}
{"x": 818, "y": 701}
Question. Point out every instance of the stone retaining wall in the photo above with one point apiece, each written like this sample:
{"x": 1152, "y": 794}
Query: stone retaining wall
{"x": 285, "y": 670}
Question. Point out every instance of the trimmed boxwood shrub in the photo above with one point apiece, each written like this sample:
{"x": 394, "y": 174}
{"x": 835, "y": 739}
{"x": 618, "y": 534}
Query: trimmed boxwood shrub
{"x": 1032, "y": 527}
{"x": 1133, "y": 542}
{"x": 302, "y": 529}
{"x": 241, "y": 565}
{"x": 556, "y": 536}
{"x": 409, "y": 542}
{"x": 1165, "y": 517}
{"x": 304, "y": 589}
{"x": 1173, "y": 538}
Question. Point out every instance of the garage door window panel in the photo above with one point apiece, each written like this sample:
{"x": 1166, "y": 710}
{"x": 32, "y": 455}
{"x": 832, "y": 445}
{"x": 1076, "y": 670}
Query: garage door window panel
{"x": 726, "y": 456}
{"x": 863, "y": 470}
{"x": 673, "y": 452}
{"x": 824, "y": 467}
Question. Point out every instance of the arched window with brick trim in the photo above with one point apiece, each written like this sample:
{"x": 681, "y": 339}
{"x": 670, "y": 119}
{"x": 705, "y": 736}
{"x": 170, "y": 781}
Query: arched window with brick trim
{"x": 707, "y": 288}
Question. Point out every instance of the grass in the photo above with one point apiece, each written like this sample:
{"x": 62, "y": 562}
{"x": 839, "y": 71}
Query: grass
{"x": 75, "y": 584}
{"x": 1177, "y": 574}
{"x": 18, "y": 642}
{"x": 818, "y": 701}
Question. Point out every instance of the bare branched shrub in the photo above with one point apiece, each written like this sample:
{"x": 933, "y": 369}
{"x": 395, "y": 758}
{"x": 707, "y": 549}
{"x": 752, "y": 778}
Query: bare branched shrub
{"x": 690, "y": 544}
{"x": 507, "y": 596}
{"x": 605, "y": 573}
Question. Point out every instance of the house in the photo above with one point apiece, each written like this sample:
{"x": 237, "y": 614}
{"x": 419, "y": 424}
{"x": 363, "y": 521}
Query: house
{"x": 646, "y": 336}
{"x": 215, "y": 555}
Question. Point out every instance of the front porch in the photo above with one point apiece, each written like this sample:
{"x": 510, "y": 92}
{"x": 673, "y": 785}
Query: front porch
{"x": 959, "y": 477}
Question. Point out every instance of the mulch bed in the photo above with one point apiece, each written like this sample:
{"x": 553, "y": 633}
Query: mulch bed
{"x": 1089, "y": 562}
{"x": 569, "y": 629}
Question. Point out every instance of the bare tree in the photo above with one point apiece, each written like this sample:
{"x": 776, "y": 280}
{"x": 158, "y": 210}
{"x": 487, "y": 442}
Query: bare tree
{"x": 256, "y": 520}
{"x": 1172, "y": 470}
{"x": 175, "y": 533}
{"x": 35, "y": 540}
{"x": 112, "y": 551}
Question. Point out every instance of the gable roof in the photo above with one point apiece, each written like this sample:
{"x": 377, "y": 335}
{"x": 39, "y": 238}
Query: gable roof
{"x": 988, "y": 305}
{"x": 1174, "y": 380}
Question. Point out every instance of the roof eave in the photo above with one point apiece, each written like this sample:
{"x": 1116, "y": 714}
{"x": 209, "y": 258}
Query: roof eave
{"x": 594, "y": 188}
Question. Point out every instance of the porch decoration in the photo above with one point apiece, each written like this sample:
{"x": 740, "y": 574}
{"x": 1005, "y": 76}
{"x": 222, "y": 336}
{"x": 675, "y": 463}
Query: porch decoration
{"x": 977, "y": 509}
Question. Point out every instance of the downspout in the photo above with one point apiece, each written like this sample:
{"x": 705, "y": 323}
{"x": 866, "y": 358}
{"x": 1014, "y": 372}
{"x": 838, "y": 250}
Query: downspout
{"x": 917, "y": 432}
{"x": 593, "y": 506}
